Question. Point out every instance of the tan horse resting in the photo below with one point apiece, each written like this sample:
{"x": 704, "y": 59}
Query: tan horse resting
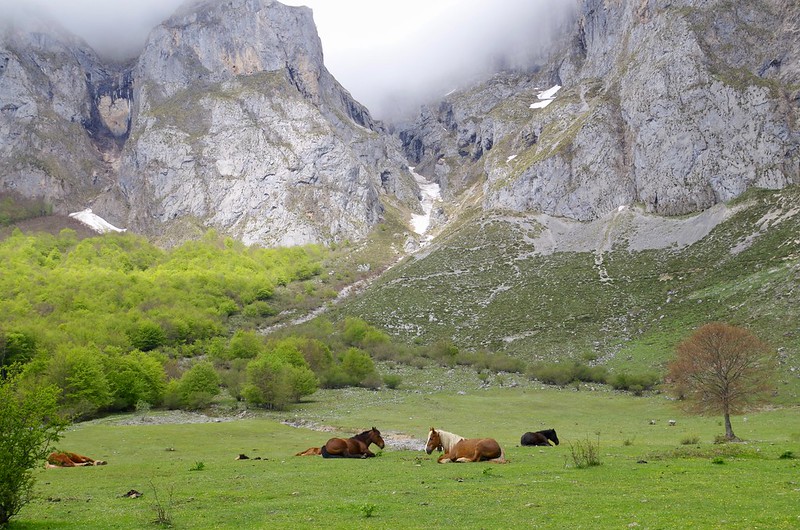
{"x": 459, "y": 449}
{"x": 67, "y": 459}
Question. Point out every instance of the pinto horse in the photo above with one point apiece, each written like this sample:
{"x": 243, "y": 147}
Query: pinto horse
{"x": 355, "y": 447}
{"x": 459, "y": 449}
{"x": 540, "y": 438}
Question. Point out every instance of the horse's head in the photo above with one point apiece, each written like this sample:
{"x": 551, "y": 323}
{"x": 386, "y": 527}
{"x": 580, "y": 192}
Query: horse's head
{"x": 375, "y": 437}
{"x": 434, "y": 442}
{"x": 551, "y": 434}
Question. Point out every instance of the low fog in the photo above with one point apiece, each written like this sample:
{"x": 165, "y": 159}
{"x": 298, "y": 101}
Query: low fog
{"x": 391, "y": 56}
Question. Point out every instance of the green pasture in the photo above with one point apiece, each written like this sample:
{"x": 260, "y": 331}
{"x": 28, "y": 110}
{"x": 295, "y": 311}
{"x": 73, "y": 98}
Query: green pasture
{"x": 648, "y": 477}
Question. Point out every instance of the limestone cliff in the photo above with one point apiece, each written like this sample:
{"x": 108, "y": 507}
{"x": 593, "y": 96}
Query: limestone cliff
{"x": 227, "y": 119}
{"x": 674, "y": 105}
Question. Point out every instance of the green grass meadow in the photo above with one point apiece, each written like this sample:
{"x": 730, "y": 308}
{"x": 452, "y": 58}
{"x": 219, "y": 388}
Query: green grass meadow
{"x": 647, "y": 478}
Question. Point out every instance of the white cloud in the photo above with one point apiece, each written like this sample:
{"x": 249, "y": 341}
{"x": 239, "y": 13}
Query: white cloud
{"x": 384, "y": 52}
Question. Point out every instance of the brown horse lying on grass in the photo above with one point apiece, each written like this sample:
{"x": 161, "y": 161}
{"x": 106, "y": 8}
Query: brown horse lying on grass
{"x": 67, "y": 459}
{"x": 459, "y": 449}
{"x": 354, "y": 447}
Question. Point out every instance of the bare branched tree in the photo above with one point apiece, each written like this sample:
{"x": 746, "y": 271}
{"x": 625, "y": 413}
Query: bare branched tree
{"x": 722, "y": 369}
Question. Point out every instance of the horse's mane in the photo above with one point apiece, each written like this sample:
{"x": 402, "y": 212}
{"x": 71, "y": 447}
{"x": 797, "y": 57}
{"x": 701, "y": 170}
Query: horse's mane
{"x": 448, "y": 439}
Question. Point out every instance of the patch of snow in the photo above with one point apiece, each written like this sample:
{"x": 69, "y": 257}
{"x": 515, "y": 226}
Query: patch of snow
{"x": 509, "y": 159}
{"x": 546, "y": 97}
{"x": 550, "y": 93}
{"x": 430, "y": 194}
{"x": 95, "y": 222}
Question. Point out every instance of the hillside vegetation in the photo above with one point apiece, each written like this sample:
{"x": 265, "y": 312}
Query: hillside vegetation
{"x": 486, "y": 285}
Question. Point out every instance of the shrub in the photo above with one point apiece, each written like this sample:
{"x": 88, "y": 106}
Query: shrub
{"x": 245, "y": 345}
{"x": 147, "y": 336}
{"x": 16, "y": 347}
{"x": 199, "y": 385}
{"x": 357, "y": 365}
{"x": 274, "y": 383}
{"x": 133, "y": 377}
{"x": 79, "y": 373}
{"x": 636, "y": 383}
{"x": 29, "y": 425}
{"x": 392, "y": 380}
{"x": 585, "y": 453}
{"x": 690, "y": 440}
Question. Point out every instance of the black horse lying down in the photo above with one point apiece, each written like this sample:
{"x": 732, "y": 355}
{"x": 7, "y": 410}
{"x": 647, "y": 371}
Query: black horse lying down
{"x": 540, "y": 438}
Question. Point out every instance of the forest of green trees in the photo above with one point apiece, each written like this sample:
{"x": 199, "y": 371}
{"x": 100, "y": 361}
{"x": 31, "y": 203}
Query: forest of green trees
{"x": 116, "y": 323}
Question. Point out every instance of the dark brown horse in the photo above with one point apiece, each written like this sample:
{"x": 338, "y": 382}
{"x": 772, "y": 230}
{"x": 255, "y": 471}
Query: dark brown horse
{"x": 459, "y": 449}
{"x": 540, "y": 438}
{"x": 355, "y": 447}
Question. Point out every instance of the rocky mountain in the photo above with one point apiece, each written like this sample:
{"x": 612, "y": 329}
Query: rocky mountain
{"x": 228, "y": 119}
{"x": 672, "y": 105}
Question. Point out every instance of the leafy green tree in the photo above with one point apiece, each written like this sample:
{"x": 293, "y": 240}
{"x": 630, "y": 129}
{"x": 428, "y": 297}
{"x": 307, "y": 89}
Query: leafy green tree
{"x": 274, "y": 382}
{"x": 29, "y": 426}
{"x": 133, "y": 377}
{"x": 80, "y": 375}
{"x": 722, "y": 369}
{"x": 16, "y": 347}
{"x": 245, "y": 345}
{"x": 199, "y": 385}
{"x": 357, "y": 365}
{"x": 147, "y": 336}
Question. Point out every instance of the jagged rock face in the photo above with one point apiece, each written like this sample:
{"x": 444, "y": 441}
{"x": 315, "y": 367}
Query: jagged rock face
{"x": 661, "y": 104}
{"x": 239, "y": 124}
{"x": 227, "y": 119}
{"x": 45, "y": 112}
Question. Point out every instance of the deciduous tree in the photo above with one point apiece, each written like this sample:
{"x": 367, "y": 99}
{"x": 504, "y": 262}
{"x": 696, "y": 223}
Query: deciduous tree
{"x": 721, "y": 369}
{"x": 28, "y": 427}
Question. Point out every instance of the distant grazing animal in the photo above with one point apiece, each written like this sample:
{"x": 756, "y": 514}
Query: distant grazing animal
{"x": 540, "y": 438}
{"x": 459, "y": 449}
{"x": 355, "y": 447}
{"x": 67, "y": 459}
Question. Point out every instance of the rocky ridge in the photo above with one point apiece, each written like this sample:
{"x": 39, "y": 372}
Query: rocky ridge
{"x": 660, "y": 105}
{"x": 228, "y": 119}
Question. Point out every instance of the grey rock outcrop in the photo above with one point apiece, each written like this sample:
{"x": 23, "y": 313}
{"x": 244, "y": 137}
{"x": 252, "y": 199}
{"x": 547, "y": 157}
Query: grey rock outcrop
{"x": 228, "y": 119}
{"x": 673, "y": 105}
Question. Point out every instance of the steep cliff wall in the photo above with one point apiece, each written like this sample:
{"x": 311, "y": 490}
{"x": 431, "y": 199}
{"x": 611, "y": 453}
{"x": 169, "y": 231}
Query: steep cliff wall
{"x": 227, "y": 119}
{"x": 673, "y": 105}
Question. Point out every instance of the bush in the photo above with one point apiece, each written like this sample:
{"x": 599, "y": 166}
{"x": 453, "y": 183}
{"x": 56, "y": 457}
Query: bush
{"x": 392, "y": 381}
{"x": 245, "y": 345}
{"x": 16, "y": 347}
{"x": 273, "y": 383}
{"x": 147, "y": 336}
{"x": 79, "y": 373}
{"x": 357, "y": 365}
{"x": 585, "y": 453}
{"x": 29, "y": 425}
{"x": 636, "y": 383}
{"x": 133, "y": 377}
{"x": 198, "y": 386}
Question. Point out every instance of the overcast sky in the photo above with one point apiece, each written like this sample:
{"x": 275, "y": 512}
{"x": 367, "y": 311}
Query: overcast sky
{"x": 381, "y": 51}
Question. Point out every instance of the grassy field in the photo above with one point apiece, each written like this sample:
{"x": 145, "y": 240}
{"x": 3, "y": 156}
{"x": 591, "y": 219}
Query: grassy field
{"x": 649, "y": 477}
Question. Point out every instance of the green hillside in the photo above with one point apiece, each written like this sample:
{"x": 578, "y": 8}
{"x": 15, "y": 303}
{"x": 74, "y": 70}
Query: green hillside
{"x": 483, "y": 286}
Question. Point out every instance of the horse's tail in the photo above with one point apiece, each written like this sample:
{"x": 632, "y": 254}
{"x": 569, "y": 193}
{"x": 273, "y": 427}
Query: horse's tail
{"x": 500, "y": 459}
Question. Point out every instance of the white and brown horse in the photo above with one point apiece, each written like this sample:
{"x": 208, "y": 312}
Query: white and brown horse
{"x": 459, "y": 449}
